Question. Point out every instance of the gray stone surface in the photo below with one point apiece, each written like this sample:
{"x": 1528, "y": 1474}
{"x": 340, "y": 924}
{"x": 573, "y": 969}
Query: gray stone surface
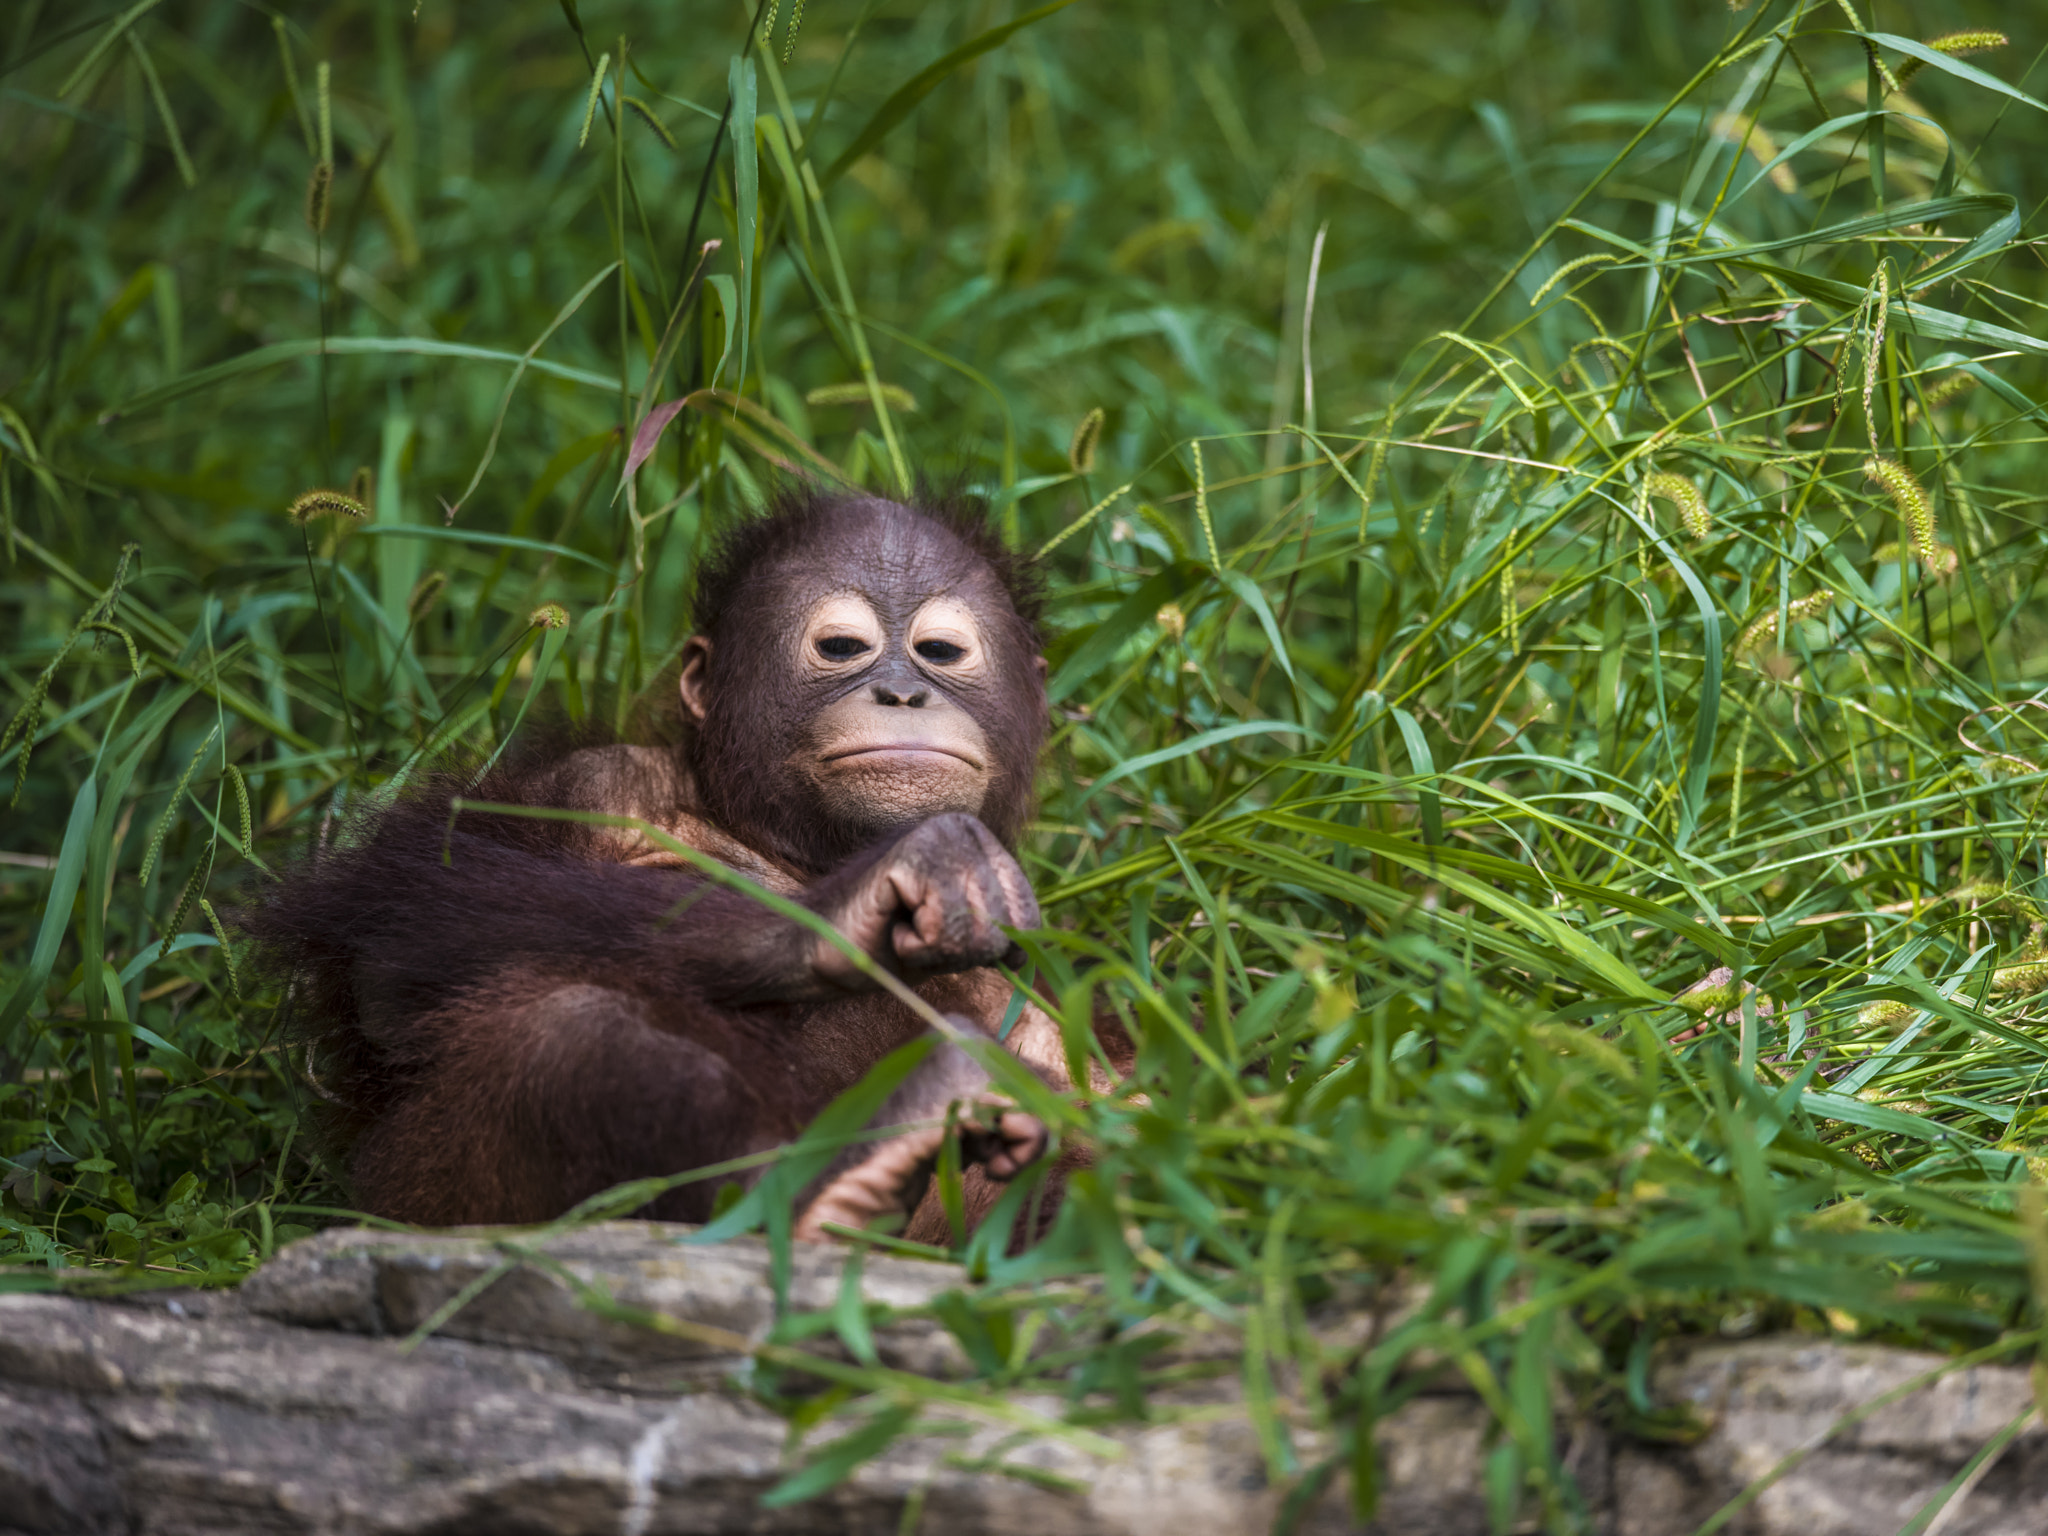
{"x": 297, "y": 1406}
{"x": 381, "y": 1283}
{"x": 1767, "y": 1398}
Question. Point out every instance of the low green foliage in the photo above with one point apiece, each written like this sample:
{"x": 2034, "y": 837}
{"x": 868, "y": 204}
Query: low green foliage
{"x": 1518, "y": 546}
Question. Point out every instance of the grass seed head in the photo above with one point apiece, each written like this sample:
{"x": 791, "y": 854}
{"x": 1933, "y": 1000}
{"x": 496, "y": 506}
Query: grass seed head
{"x": 1577, "y": 263}
{"x": 1956, "y": 384}
{"x": 243, "y": 810}
{"x": 1686, "y": 497}
{"x": 314, "y": 504}
{"x": 1878, "y": 303}
{"x": 1202, "y": 505}
{"x": 220, "y": 937}
{"x": 1956, "y": 44}
{"x": 1915, "y": 510}
{"x": 646, "y": 115}
{"x": 549, "y": 616}
{"x": 319, "y": 196}
{"x": 604, "y": 62}
{"x": 425, "y": 594}
{"x": 1976, "y": 892}
{"x": 1081, "y": 450}
{"x": 1885, "y": 76}
{"x": 895, "y": 396}
{"x": 2028, "y": 971}
{"x": 194, "y": 883}
{"x": 1763, "y": 629}
{"x": 2027, "y": 976}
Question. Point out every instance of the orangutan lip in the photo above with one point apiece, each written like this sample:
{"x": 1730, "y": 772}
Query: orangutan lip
{"x": 920, "y": 749}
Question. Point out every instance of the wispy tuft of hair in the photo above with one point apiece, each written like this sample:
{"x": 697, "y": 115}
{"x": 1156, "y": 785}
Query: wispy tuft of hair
{"x": 791, "y": 521}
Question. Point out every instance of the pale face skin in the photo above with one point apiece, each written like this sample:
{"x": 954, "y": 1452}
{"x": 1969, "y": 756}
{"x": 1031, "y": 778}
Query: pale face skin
{"x": 859, "y": 683}
{"x": 891, "y": 747}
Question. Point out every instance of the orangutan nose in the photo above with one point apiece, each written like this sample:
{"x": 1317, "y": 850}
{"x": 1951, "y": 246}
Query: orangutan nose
{"x": 893, "y": 696}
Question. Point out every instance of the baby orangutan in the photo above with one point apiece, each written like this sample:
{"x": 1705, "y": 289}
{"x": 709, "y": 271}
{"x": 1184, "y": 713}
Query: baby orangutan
{"x": 514, "y": 1013}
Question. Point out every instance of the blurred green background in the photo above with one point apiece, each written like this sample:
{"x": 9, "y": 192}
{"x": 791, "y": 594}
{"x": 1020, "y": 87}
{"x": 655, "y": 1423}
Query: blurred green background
{"x": 1633, "y": 573}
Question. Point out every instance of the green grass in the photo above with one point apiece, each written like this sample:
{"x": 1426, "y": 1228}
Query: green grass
{"x": 1420, "y": 735}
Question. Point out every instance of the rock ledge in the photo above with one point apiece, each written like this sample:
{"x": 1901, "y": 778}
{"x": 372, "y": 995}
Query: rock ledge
{"x": 295, "y": 1405}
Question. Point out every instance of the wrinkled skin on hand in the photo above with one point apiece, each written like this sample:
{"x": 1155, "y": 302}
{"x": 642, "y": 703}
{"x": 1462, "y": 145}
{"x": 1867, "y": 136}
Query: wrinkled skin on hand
{"x": 937, "y": 900}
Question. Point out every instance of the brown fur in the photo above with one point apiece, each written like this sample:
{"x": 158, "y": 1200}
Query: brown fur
{"x": 511, "y": 1014}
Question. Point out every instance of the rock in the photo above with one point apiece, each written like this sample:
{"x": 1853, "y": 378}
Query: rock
{"x": 392, "y": 1283}
{"x": 305, "y": 1404}
{"x": 1767, "y": 1398}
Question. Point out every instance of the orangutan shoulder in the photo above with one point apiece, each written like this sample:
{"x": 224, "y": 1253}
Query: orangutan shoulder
{"x": 651, "y": 785}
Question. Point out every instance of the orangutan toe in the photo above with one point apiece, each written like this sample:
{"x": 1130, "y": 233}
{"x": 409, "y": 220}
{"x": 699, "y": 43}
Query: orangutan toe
{"x": 1004, "y": 1146}
{"x": 994, "y": 1135}
{"x": 888, "y": 1181}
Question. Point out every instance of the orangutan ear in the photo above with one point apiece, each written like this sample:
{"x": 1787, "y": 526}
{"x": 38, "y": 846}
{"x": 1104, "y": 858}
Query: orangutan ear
{"x": 696, "y": 677}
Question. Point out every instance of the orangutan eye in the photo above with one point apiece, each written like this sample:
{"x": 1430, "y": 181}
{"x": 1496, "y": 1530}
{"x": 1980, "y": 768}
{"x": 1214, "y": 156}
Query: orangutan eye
{"x": 842, "y": 647}
{"x": 940, "y": 651}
